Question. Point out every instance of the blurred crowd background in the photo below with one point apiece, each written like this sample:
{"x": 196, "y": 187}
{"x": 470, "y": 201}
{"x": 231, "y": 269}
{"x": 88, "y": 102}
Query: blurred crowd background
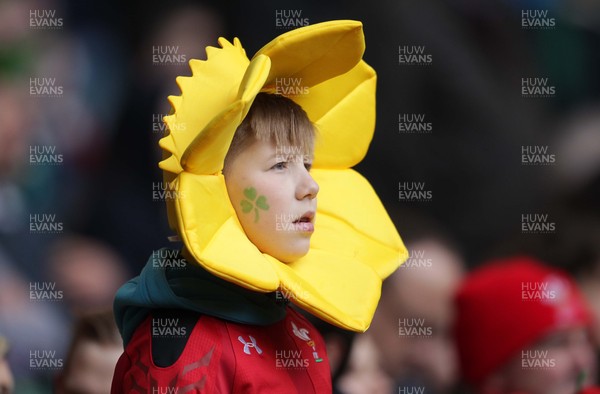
{"x": 82, "y": 94}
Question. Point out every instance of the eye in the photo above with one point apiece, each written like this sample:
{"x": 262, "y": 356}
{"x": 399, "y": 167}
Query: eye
{"x": 282, "y": 165}
{"x": 308, "y": 166}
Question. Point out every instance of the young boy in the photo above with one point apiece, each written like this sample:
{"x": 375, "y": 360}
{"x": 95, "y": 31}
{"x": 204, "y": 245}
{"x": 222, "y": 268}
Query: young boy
{"x": 244, "y": 167}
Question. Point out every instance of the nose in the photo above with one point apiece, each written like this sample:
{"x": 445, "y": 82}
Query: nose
{"x": 307, "y": 187}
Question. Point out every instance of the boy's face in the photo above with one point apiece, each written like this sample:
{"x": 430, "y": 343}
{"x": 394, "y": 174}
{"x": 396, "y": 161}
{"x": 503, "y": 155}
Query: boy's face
{"x": 274, "y": 197}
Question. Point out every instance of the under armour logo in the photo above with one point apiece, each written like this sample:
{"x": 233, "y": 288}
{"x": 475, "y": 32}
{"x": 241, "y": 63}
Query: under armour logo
{"x": 251, "y": 344}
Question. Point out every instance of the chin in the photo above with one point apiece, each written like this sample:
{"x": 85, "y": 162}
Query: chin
{"x": 294, "y": 249}
{"x": 289, "y": 256}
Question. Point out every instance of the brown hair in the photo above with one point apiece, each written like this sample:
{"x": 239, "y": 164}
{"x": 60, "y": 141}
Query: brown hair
{"x": 273, "y": 118}
{"x": 98, "y": 327}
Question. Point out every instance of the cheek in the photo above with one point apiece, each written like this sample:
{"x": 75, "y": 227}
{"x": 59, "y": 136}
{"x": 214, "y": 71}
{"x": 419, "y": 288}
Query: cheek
{"x": 547, "y": 380}
{"x": 254, "y": 204}
{"x": 274, "y": 198}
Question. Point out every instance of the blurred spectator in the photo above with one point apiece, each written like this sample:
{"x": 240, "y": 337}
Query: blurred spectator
{"x": 59, "y": 101}
{"x": 30, "y": 323}
{"x": 522, "y": 327}
{"x": 410, "y": 333}
{"x": 576, "y": 244}
{"x": 364, "y": 373}
{"x": 87, "y": 271}
{"x": 578, "y": 149}
{"x": 13, "y": 151}
{"x": 95, "y": 348}
{"x": 573, "y": 244}
{"x": 6, "y": 379}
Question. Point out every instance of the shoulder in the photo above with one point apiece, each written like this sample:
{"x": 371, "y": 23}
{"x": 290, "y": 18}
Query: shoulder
{"x": 176, "y": 348}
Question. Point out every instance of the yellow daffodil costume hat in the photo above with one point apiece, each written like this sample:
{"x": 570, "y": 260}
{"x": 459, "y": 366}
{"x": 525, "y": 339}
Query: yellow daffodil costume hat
{"x": 354, "y": 245}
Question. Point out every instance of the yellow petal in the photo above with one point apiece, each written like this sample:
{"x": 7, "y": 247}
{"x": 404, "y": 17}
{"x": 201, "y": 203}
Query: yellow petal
{"x": 212, "y": 88}
{"x": 333, "y": 287}
{"x": 348, "y": 197}
{"x": 343, "y": 109}
{"x": 316, "y": 52}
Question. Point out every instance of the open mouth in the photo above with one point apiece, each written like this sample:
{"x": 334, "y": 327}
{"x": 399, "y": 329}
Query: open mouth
{"x": 305, "y": 222}
{"x": 302, "y": 220}
{"x": 305, "y": 218}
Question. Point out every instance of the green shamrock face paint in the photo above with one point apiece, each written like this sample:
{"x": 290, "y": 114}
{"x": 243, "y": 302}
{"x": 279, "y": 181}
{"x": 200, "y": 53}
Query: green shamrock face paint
{"x": 251, "y": 202}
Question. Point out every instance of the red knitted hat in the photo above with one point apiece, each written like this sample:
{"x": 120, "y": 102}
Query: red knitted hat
{"x": 507, "y": 305}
